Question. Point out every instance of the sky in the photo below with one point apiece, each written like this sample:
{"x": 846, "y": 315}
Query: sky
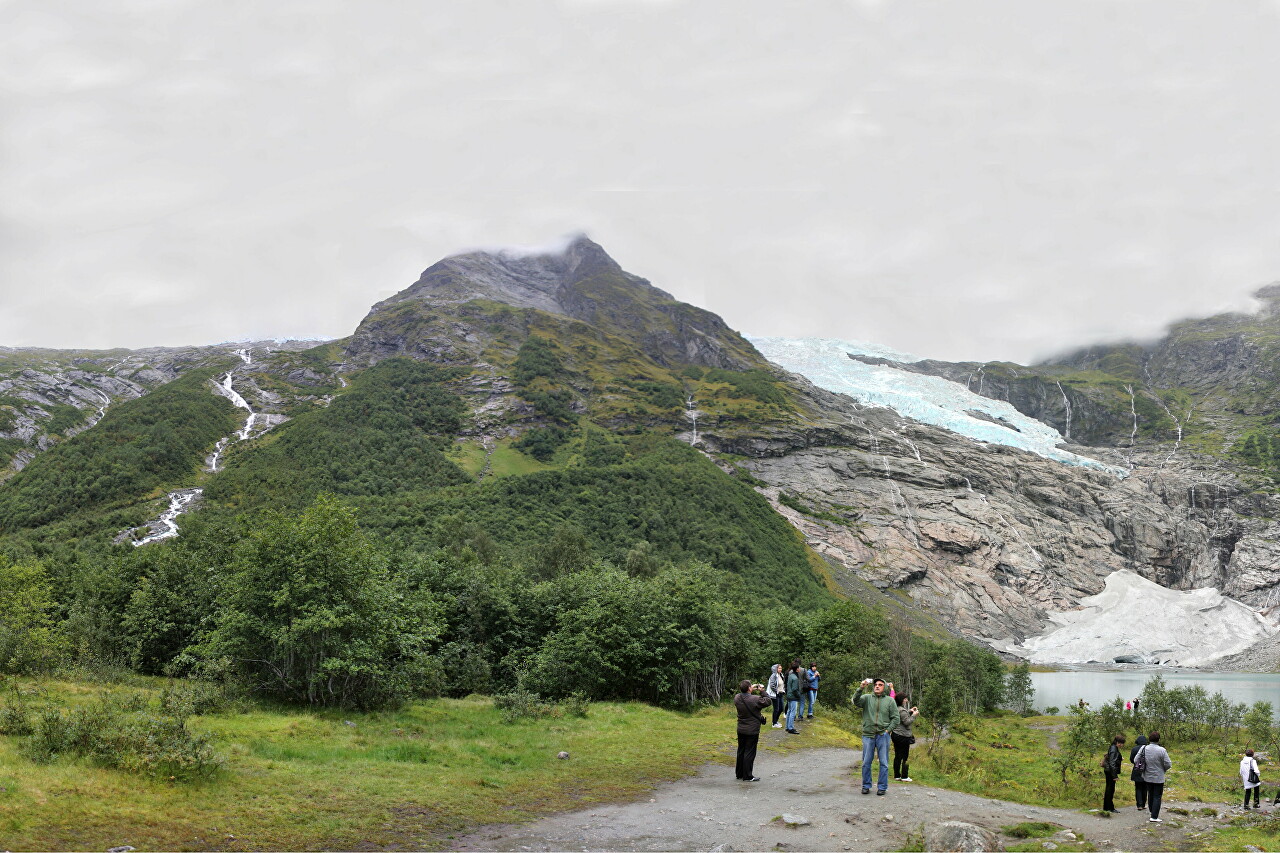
{"x": 972, "y": 180}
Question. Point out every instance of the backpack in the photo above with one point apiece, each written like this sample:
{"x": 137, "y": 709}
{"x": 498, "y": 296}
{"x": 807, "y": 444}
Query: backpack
{"x": 1140, "y": 760}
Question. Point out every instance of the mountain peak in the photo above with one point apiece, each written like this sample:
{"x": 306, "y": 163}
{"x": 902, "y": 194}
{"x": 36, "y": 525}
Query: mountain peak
{"x": 574, "y": 278}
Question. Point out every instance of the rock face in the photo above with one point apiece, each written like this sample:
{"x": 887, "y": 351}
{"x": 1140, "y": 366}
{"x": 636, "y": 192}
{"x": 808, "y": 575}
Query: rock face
{"x": 992, "y": 540}
{"x": 47, "y": 396}
{"x": 955, "y": 835}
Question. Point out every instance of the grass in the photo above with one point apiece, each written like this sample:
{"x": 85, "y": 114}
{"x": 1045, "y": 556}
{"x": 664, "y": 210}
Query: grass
{"x": 307, "y": 780}
{"x": 1010, "y": 758}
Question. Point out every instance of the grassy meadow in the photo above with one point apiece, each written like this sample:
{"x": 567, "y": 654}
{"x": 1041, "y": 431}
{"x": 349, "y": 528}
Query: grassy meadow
{"x": 294, "y": 779}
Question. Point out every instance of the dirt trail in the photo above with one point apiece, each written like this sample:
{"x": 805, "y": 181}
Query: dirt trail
{"x": 713, "y": 810}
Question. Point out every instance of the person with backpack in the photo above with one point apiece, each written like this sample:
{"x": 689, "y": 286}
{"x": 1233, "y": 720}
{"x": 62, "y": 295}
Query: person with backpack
{"x": 1252, "y": 781}
{"x": 1111, "y": 770}
{"x": 1139, "y": 784}
{"x": 1155, "y": 767}
{"x": 777, "y": 691}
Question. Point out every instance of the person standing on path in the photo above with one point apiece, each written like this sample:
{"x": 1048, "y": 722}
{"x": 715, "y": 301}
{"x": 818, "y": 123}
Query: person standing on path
{"x": 777, "y": 690}
{"x": 813, "y": 688}
{"x": 793, "y": 696}
{"x": 902, "y": 739}
{"x": 879, "y": 716}
{"x": 1139, "y": 784}
{"x": 1157, "y": 765}
{"x": 1252, "y": 779}
{"x": 1111, "y": 769}
{"x": 749, "y": 704}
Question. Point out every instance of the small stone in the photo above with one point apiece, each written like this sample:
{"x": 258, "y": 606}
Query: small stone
{"x": 1048, "y": 845}
{"x": 795, "y": 820}
{"x": 124, "y": 849}
{"x": 1065, "y": 835}
{"x": 888, "y": 817}
{"x": 722, "y": 848}
{"x": 564, "y": 756}
{"x": 348, "y": 723}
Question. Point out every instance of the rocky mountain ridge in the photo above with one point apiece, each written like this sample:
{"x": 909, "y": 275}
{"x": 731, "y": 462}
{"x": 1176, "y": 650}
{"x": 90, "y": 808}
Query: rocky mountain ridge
{"x": 987, "y": 540}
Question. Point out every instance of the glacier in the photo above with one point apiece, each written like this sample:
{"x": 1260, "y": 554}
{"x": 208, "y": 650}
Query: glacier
{"x": 929, "y": 399}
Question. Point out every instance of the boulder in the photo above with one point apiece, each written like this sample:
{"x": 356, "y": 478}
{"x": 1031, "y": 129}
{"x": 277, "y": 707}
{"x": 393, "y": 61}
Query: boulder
{"x": 955, "y": 835}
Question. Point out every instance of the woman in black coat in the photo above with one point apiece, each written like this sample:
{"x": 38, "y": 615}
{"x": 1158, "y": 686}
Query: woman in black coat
{"x": 1139, "y": 784}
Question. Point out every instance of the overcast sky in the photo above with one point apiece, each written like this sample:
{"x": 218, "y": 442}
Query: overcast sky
{"x": 961, "y": 180}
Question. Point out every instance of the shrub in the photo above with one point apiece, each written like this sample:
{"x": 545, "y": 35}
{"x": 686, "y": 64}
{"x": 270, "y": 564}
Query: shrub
{"x": 112, "y": 737}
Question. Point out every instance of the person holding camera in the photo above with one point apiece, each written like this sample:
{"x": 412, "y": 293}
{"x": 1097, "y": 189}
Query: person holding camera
{"x": 879, "y": 716}
{"x": 902, "y": 738}
{"x": 749, "y": 703}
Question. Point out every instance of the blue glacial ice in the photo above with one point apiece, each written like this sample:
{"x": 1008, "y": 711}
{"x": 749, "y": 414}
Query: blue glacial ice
{"x": 928, "y": 399}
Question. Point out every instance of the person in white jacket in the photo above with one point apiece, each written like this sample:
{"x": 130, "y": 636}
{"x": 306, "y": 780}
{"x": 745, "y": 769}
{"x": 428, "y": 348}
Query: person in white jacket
{"x": 1249, "y": 766}
{"x": 775, "y": 690}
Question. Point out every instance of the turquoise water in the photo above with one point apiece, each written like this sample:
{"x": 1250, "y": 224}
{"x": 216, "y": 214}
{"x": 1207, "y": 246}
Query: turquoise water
{"x": 1098, "y": 687}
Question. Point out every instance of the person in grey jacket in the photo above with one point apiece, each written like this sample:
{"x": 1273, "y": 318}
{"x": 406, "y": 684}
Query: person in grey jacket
{"x": 1158, "y": 765}
{"x": 902, "y": 739}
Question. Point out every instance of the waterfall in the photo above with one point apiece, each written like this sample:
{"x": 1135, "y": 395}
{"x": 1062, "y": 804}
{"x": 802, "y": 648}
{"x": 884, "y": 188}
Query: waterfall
{"x": 178, "y": 503}
{"x": 1066, "y": 404}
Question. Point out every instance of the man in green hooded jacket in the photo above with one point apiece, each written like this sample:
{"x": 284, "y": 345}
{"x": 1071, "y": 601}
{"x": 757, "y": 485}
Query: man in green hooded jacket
{"x": 879, "y": 716}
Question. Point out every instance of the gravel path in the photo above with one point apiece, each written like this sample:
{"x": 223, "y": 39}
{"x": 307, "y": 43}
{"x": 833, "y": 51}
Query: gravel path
{"x": 713, "y": 810}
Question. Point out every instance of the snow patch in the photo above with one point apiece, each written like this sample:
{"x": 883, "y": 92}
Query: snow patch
{"x": 1142, "y": 622}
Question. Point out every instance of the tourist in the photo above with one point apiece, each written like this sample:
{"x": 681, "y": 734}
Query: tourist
{"x": 902, "y": 739}
{"x": 1252, "y": 780}
{"x": 1128, "y": 706}
{"x": 814, "y": 675}
{"x": 1139, "y": 784}
{"x": 1136, "y": 700}
{"x": 1157, "y": 764}
{"x": 804, "y": 688}
{"x": 777, "y": 690}
{"x": 793, "y": 696}
{"x": 879, "y": 716}
{"x": 1111, "y": 769}
{"x": 749, "y": 703}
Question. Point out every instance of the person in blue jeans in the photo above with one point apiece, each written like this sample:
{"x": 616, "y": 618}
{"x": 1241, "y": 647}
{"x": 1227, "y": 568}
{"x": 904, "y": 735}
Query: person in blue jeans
{"x": 812, "y": 698}
{"x": 793, "y": 697}
{"x": 879, "y": 715}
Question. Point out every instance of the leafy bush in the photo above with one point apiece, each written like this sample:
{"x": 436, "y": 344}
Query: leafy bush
{"x": 310, "y": 613}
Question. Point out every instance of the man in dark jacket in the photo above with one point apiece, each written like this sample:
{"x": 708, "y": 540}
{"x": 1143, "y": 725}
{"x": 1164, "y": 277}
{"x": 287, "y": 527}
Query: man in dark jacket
{"x": 749, "y": 704}
{"x": 879, "y": 716}
{"x": 1111, "y": 769}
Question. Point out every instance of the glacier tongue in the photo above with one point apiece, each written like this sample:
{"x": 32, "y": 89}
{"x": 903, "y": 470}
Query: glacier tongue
{"x": 1137, "y": 620}
{"x": 929, "y": 399}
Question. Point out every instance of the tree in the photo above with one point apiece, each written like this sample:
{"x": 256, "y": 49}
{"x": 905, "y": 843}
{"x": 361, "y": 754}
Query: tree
{"x": 29, "y": 639}
{"x": 311, "y": 614}
{"x": 1019, "y": 692}
{"x": 1258, "y": 723}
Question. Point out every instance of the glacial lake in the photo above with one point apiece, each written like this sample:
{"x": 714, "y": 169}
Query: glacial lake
{"x": 1097, "y": 687}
